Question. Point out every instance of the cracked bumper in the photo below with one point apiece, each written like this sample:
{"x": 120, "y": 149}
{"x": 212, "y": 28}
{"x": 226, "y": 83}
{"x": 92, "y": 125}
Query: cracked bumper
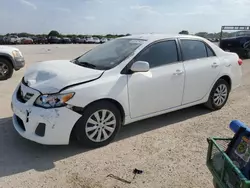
{"x": 59, "y": 122}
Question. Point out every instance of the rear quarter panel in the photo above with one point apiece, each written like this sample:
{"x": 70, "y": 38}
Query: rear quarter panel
{"x": 234, "y": 71}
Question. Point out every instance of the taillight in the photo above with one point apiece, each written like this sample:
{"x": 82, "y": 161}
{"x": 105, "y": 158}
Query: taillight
{"x": 240, "y": 62}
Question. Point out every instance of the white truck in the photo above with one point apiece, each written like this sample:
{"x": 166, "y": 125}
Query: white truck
{"x": 10, "y": 59}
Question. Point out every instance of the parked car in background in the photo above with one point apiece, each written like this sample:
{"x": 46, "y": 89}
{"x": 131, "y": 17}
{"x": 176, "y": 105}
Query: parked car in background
{"x": 10, "y": 59}
{"x": 2, "y": 41}
{"x": 76, "y": 40}
{"x": 96, "y": 40}
{"x": 79, "y": 40}
{"x": 239, "y": 44}
{"x": 119, "y": 82}
{"x": 90, "y": 40}
{"x": 103, "y": 40}
{"x": 40, "y": 40}
{"x": 66, "y": 40}
{"x": 54, "y": 40}
{"x": 82, "y": 41}
{"x": 13, "y": 39}
{"x": 26, "y": 40}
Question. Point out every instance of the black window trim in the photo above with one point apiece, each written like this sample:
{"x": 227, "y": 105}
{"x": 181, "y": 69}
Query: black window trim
{"x": 126, "y": 69}
{"x": 208, "y": 46}
{"x": 193, "y": 39}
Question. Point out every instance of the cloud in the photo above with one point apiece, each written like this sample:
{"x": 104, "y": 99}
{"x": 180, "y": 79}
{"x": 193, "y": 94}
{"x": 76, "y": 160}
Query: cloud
{"x": 62, "y": 9}
{"x": 202, "y": 10}
{"x": 93, "y": 1}
{"x": 27, "y": 3}
{"x": 145, "y": 8}
{"x": 89, "y": 18}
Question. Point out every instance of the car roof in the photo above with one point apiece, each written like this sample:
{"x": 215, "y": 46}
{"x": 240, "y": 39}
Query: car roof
{"x": 153, "y": 37}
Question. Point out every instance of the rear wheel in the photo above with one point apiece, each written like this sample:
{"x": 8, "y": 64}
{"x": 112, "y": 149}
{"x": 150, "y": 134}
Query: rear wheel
{"x": 6, "y": 69}
{"x": 215, "y": 184}
{"x": 248, "y": 55}
{"x": 219, "y": 95}
{"x": 99, "y": 124}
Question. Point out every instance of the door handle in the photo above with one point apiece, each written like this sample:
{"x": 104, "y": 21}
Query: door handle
{"x": 228, "y": 65}
{"x": 214, "y": 65}
{"x": 178, "y": 72}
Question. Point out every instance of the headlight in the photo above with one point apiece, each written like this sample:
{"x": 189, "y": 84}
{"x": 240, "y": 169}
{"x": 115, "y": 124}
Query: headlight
{"x": 16, "y": 53}
{"x": 54, "y": 100}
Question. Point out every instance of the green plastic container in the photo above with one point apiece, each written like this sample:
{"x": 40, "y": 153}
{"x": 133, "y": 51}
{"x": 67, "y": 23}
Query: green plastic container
{"x": 225, "y": 173}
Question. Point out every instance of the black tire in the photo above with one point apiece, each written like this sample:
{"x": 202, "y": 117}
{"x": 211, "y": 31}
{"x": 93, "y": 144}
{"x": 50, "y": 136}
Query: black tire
{"x": 7, "y": 64}
{"x": 211, "y": 103}
{"x": 80, "y": 127}
{"x": 248, "y": 55}
{"x": 215, "y": 184}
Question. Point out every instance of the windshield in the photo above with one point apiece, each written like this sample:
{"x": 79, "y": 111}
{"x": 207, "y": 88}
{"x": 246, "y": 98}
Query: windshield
{"x": 110, "y": 54}
{"x": 242, "y": 33}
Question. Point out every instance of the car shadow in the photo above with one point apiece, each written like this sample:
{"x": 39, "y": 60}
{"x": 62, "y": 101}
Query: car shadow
{"x": 19, "y": 155}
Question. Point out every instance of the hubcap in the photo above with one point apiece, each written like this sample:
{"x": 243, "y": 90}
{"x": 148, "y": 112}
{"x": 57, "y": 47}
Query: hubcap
{"x": 3, "y": 69}
{"x": 220, "y": 95}
{"x": 100, "y": 125}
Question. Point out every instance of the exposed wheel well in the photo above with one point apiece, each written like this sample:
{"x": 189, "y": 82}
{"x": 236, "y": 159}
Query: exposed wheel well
{"x": 228, "y": 80}
{"x": 117, "y": 104}
{"x": 81, "y": 110}
{"x": 6, "y": 58}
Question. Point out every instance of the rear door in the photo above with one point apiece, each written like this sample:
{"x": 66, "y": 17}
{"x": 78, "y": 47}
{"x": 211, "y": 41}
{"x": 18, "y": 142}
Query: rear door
{"x": 202, "y": 68}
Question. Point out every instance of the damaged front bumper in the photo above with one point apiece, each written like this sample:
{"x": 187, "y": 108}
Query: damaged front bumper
{"x": 44, "y": 126}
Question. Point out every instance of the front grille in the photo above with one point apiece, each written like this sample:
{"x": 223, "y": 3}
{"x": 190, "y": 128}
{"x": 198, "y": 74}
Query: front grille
{"x": 23, "y": 98}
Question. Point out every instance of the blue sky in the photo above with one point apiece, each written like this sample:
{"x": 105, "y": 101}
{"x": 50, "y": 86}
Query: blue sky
{"x": 121, "y": 16}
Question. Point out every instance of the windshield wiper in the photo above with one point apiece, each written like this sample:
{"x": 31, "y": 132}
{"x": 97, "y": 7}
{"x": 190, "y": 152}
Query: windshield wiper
{"x": 85, "y": 64}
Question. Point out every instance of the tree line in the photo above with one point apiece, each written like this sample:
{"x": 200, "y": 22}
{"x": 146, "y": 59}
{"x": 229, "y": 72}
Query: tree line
{"x": 57, "y": 34}
{"x": 210, "y": 35}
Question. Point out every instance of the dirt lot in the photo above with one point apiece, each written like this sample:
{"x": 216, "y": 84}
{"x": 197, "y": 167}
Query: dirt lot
{"x": 170, "y": 149}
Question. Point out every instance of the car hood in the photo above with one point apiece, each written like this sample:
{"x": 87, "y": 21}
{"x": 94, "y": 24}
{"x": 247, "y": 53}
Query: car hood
{"x": 7, "y": 49}
{"x": 52, "y": 76}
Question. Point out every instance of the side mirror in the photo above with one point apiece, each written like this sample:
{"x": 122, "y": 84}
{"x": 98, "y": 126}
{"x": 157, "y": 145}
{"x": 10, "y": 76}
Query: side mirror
{"x": 140, "y": 66}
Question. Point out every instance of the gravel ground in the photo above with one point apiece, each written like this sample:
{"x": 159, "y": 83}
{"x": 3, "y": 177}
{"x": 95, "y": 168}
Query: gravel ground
{"x": 170, "y": 149}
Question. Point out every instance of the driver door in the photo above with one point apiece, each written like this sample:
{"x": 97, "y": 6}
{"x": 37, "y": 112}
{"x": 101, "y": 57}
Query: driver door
{"x": 162, "y": 86}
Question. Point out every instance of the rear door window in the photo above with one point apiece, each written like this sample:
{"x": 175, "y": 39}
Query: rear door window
{"x": 210, "y": 52}
{"x": 193, "y": 49}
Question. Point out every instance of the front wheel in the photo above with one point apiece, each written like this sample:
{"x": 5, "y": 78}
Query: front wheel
{"x": 6, "y": 69}
{"x": 215, "y": 184}
{"x": 99, "y": 124}
{"x": 219, "y": 95}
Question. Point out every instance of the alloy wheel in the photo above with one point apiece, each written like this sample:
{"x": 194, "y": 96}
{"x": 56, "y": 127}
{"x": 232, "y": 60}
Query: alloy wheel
{"x": 100, "y": 125}
{"x": 3, "y": 69}
{"x": 220, "y": 95}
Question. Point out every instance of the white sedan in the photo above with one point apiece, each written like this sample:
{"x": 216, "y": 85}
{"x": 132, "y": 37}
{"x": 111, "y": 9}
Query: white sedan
{"x": 119, "y": 82}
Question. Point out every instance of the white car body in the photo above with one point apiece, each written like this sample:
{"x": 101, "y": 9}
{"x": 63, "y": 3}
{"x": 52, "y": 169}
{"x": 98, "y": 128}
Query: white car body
{"x": 8, "y": 49}
{"x": 96, "y": 40}
{"x": 16, "y": 59}
{"x": 140, "y": 95}
{"x": 90, "y": 40}
{"x": 103, "y": 40}
{"x": 14, "y": 39}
